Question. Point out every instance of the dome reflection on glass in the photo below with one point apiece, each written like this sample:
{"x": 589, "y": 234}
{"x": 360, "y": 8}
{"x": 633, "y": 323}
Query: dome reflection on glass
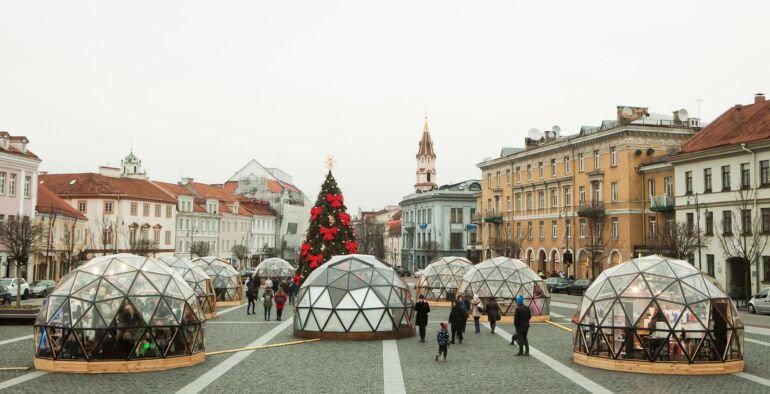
{"x": 442, "y": 276}
{"x": 120, "y": 307}
{"x": 658, "y": 309}
{"x": 225, "y": 279}
{"x": 275, "y": 268}
{"x": 503, "y": 279}
{"x": 197, "y": 279}
{"x": 354, "y": 293}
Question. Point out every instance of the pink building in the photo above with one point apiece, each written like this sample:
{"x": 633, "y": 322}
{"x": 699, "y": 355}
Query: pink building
{"x": 18, "y": 185}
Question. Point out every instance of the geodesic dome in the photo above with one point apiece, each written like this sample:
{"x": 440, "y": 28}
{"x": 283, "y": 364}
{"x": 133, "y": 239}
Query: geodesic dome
{"x": 197, "y": 279}
{"x": 658, "y": 309}
{"x": 442, "y": 276}
{"x": 503, "y": 279}
{"x": 119, "y": 307}
{"x": 275, "y": 268}
{"x": 225, "y": 279}
{"x": 354, "y": 297}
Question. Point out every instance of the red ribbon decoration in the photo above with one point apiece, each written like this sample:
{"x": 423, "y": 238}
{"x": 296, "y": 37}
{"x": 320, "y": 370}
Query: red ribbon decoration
{"x": 314, "y": 212}
{"x": 344, "y": 218}
{"x": 297, "y": 278}
{"x": 351, "y": 246}
{"x": 329, "y": 232}
{"x": 334, "y": 200}
{"x": 305, "y": 248}
{"x": 314, "y": 260}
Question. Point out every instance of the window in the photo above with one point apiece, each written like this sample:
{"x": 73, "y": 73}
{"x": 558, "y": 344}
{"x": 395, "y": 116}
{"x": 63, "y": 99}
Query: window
{"x": 554, "y": 198}
{"x": 430, "y": 215}
{"x": 581, "y": 163}
{"x": 597, "y": 191}
{"x": 497, "y": 178}
{"x": 746, "y": 221}
{"x": 745, "y": 176}
{"x": 553, "y": 168}
{"x": 157, "y": 210}
{"x": 688, "y": 182}
{"x": 529, "y": 200}
{"x": 690, "y": 222}
{"x": 613, "y": 156}
{"x": 614, "y": 191}
{"x": 766, "y": 269}
{"x": 596, "y": 160}
{"x": 710, "y": 264}
{"x": 541, "y": 200}
{"x": 518, "y": 230}
{"x": 489, "y": 180}
{"x": 707, "y": 180}
{"x": 529, "y": 230}
{"x": 508, "y": 176}
{"x": 726, "y": 178}
{"x": 108, "y": 207}
{"x": 568, "y": 229}
{"x": 456, "y": 215}
{"x": 582, "y": 228}
{"x": 653, "y": 227}
{"x": 27, "y": 186}
{"x": 709, "y": 223}
{"x": 765, "y": 220}
{"x": 168, "y": 211}
{"x": 12, "y": 186}
{"x": 82, "y": 206}
{"x": 668, "y": 186}
{"x": 529, "y": 172}
{"x": 541, "y": 229}
{"x": 764, "y": 172}
{"x": 615, "y": 229}
{"x": 456, "y": 240}
{"x": 2, "y": 183}
{"x": 518, "y": 174}
{"x": 134, "y": 209}
{"x": 146, "y": 209}
{"x": 567, "y": 196}
{"x": 581, "y": 194}
{"x": 651, "y": 187}
{"x": 518, "y": 202}
{"x": 541, "y": 170}
{"x": 156, "y": 235}
{"x": 132, "y": 235}
{"x": 727, "y": 223}
{"x": 554, "y": 229}
{"x": 566, "y": 165}
{"x": 508, "y": 203}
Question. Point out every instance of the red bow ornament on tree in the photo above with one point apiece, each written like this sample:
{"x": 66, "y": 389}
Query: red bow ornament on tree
{"x": 314, "y": 260}
{"x": 314, "y": 212}
{"x": 351, "y": 246}
{"x": 344, "y": 218}
{"x": 305, "y": 248}
{"x": 334, "y": 200}
{"x": 329, "y": 232}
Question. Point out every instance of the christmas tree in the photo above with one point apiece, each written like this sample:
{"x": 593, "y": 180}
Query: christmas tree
{"x": 329, "y": 233}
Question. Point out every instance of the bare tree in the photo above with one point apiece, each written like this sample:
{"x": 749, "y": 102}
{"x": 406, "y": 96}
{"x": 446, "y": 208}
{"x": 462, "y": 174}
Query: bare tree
{"x": 18, "y": 236}
{"x": 241, "y": 252}
{"x": 200, "y": 248}
{"x": 108, "y": 235}
{"x": 507, "y": 246}
{"x": 431, "y": 248}
{"x": 142, "y": 247}
{"x": 678, "y": 241}
{"x": 741, "y": 236}
{"x": 594, "y": 242}
{"x": 73, "y": 244}
{"x": 370, "y": 236}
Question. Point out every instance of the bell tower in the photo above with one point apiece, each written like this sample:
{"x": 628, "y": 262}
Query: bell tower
{"x": 426, "y": 162}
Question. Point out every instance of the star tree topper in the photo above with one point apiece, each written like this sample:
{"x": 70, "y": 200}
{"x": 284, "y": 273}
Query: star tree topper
{"x": 330, "y": 162}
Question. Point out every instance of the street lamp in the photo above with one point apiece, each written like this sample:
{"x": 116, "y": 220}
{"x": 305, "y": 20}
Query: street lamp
{"x": 697, "y": 225}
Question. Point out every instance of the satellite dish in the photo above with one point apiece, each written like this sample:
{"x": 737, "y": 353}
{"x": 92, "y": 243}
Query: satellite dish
{"x": 683, "y": 115}
{"x": 556, "y": 129}
{"x": 627, "y": 112}
{"x": 534, "y": 134}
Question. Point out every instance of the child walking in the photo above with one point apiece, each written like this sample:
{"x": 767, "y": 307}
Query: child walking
{"x": 443, "y": 341}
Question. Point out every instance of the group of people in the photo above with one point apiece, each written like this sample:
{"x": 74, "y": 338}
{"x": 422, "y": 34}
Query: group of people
{"x": 276, "y": 291}
{"x": 458, "y": 316}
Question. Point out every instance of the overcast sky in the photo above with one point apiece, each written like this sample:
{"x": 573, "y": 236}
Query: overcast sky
{"x": 199, "y": 88}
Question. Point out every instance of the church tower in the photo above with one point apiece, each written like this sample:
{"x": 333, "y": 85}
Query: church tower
{"x": 132, "y": 167}
{"x": 426, "y": 162}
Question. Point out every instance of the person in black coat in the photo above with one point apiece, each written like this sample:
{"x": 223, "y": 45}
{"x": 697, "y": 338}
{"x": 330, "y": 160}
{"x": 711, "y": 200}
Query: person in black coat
{"x": 256, "y": 282}
{"x": 521, "y": 322}
{"x": 457, "y": 320}
{"x": 493, "y": 314}
{"x": 250, "y": 295}
{"x": 466, "y": 306}
{"x": 421, "y": 309}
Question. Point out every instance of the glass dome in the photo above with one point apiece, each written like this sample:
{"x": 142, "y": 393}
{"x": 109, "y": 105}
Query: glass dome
{"x": 226, "y": 280}
{"x": 119, "y": 307}
{"x": 354, "y": 297}
{"x": 197, "y": 279}
{"x": 503, "y": 279}
{"x": 659, "y": 310}
{"x": 442, "y": 276}
{"x": 275, "y": 268}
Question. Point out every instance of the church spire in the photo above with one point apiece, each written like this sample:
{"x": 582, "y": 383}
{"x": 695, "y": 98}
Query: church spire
{"x": 426, "y": 161}
{"x": 426, "y": 144}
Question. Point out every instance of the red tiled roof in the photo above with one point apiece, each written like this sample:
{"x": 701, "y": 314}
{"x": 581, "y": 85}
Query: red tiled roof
{"x": 396, "y": 216}
{"x": 277, "y": 186}
{"x": 96, "y": 185}
{"x": 257, "y": 207}
{"x": 394, "y": 227}
{"x": 737, "y": 125}
{"x": 174, "y": 189}
{"x": 15, "y": 151}
{"x": 49, "y": 202}
{"x": 208, "y": 191}
{"x": 230, "y": 186}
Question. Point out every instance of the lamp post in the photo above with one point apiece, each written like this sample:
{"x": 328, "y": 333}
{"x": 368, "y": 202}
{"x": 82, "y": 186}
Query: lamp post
{"x": 697, "y": 225}
{"x": 193, "y": 230}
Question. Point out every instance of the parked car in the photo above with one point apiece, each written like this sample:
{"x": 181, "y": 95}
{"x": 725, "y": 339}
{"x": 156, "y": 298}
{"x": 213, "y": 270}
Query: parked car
{"x": 579, "y": 286}
{"x": 556, "y": 285}
{"x": 760, "y": 303}
{"x": 246, "y": 273}
{"x": 41, "y": 288}
{"x": 11, "y": 284}
{"x": 5, "y": 295}
{"x": 401, "y": 271}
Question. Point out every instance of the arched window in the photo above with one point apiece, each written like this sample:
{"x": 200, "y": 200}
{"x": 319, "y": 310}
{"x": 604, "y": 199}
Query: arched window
{"x": 429, "y": 177}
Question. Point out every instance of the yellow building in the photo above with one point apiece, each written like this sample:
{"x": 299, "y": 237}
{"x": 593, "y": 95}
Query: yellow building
{"x": 580, "y": 198}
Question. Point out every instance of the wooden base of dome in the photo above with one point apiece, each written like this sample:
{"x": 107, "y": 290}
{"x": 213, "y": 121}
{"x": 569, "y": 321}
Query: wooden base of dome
{"x": 160, "y": 364}
{"x": 658, "y": 368}
{"x": 509, "y": 319}
{"x": 229, "y": 303}
{"x": 210, "y": 315}
{"x": 404, "y": 332}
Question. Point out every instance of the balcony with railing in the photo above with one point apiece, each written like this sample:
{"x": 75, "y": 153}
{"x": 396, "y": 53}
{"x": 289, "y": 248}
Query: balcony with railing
{"x": 663, "y": 203}
{"x": 477, "y": 217}
{"x": 592, "y": 208}
{"x": 493, "y": 216}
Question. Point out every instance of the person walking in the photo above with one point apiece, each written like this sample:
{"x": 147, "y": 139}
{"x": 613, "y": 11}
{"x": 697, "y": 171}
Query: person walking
{"x": 457, "y": 318}
{"x": 477, "y": 308}
{"x": 257, "y": 282}
{"x": 493, "y": 314}
{"x": 292, "y": 291}
{"x": 443, "y": 340}
{"x": 250, "y": 296}
{"x": 275, "y": 283}
{"x": 280, "y": 301}
{"x": 268, "y": 302}
{"x": 268, "y": 283}
{"x": 521, "y": 322}
{"x": 466, "y": 306}
{"x": 421, "y": 309}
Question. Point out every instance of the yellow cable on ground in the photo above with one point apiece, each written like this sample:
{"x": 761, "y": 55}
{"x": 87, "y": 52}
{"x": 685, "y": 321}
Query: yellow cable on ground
{"x": 244, "y": 349}
{"x": 558, "y": 325}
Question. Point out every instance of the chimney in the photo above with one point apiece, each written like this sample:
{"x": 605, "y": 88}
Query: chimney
{"x": 186, "y": 181}
{"x": 759, "y": 98}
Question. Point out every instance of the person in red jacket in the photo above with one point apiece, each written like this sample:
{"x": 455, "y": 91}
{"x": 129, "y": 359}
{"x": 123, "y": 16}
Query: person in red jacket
{"x": 280, "y": 301}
